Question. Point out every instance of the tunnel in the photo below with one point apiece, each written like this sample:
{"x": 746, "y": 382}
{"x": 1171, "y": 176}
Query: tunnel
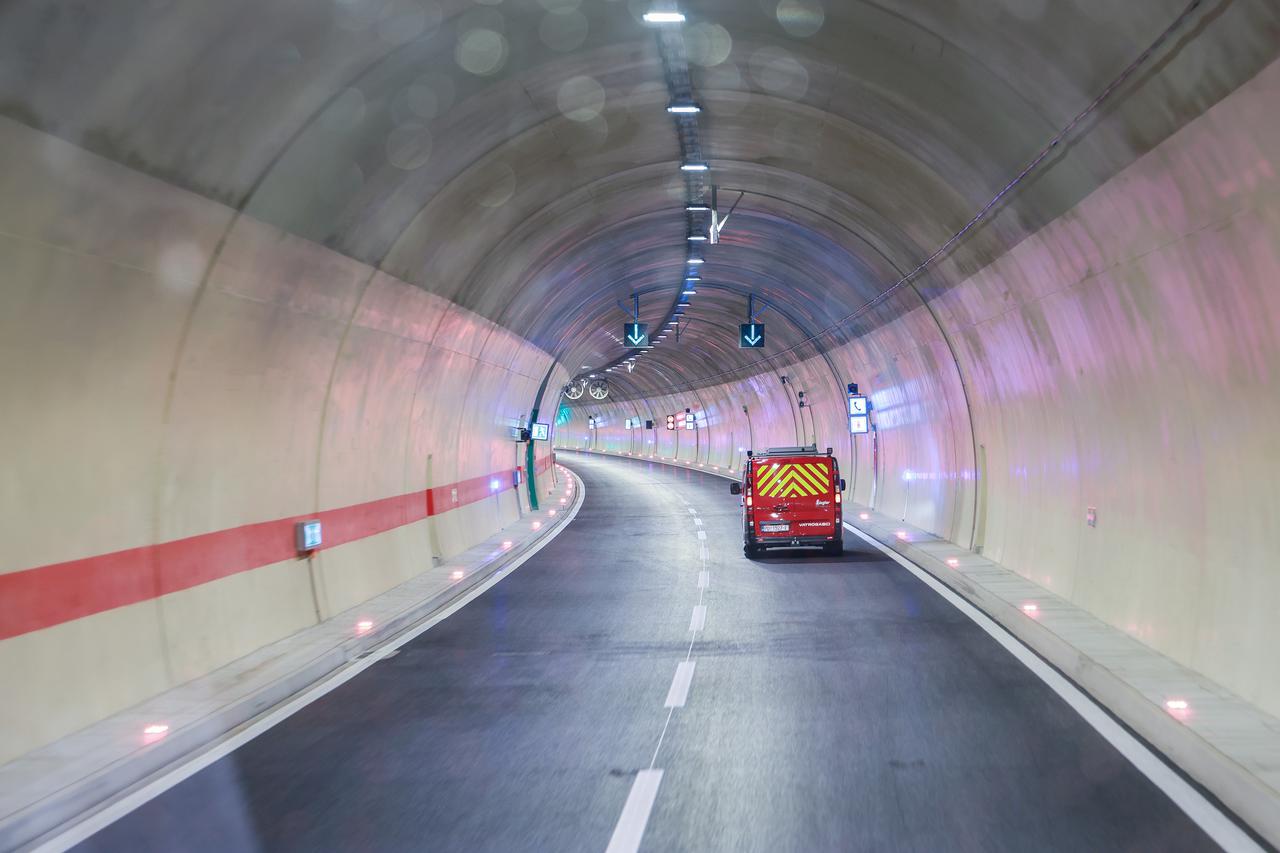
{"x": 374, "y": 373}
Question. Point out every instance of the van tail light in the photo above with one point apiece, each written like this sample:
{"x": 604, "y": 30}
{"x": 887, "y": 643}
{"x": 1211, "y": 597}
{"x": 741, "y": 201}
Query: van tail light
{"x": 748, "y": 500}
{"x": 837, "y": 497}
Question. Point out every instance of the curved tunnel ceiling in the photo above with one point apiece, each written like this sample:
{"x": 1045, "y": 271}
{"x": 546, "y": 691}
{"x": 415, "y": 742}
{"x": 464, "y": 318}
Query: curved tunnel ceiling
{"x": 515, "y": 156}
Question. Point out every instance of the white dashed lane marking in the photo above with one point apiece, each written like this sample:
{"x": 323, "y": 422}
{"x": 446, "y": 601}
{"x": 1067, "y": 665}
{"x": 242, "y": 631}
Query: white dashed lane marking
{"x": 679, "y": 691}
{"x": 635, "y": 814}
{"x": 629, "y": 831}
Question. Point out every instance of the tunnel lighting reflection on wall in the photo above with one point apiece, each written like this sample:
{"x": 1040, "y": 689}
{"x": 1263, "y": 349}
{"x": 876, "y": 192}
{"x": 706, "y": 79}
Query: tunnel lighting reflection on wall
{"x": 864, "y": 515}
{"x": 506, "y": 545}
{"x": 1030, "y": 608}
{"x": 364, "y": 626}
{"x": 456, "y": 575}
{"x": 537, "y": 525}
{"x": 696, "y": 261}
{"x": 156, "y": 730}
{"x": 953, "y": 562}
{"x": 1176, "y": 704}
{"x": 684, "y": 109}
{"x": 694, "y": 167}
{"x": 901, "y": 534}
{"x": 697, "y": 208}
{"x": 697, "y": 238}
{"x": 663, "y": 17}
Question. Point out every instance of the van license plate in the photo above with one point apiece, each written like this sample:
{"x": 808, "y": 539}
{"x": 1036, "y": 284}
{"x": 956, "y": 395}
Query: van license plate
{"x": 774, "y": 528}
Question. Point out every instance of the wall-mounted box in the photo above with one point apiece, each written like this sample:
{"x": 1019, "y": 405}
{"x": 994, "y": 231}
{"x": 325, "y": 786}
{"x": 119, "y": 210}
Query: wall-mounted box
{"x": 306, "y": 535}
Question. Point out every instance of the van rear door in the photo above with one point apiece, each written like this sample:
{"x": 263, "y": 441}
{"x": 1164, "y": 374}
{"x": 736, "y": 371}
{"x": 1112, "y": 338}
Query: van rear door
{"x": 795, "y": 497}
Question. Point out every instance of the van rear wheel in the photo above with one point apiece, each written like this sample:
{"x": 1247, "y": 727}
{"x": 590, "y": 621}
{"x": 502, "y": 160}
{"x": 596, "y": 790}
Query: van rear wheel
{"x": 749, "y": 550}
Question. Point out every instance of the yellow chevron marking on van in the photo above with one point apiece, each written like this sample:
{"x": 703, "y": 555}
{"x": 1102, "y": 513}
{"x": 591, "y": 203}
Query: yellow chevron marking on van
{"x": 764, "y": 474}
{"x": 790, "y": 480}
{"x": 815, "y": 476}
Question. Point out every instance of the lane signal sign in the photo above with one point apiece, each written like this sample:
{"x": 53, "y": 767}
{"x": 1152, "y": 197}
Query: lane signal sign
{"x": 689, "y": 421}
{"x": 635, "y": 334}
{"x": 750, "y": 335}
{"x": 671, "y": 421}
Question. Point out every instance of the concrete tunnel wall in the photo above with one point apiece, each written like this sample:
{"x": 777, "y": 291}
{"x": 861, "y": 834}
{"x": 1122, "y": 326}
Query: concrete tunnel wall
{"x": 181, "y": 382}
{"x": 1124, "y": 357}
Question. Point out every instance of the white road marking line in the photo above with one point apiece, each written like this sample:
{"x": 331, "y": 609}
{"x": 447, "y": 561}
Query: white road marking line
{"x": 1215, "y": 824}
{"x": 703, "y": 553}
{"x": 635, "y": 814}
{"x": 702, "y": 534}
{"x": 679, "y": 691}
{"x": 704, "y": 579}
{"x": 697, "y": 520}
{"x": 692, "y": 511}
{"x": 698, "y": 620}
{"x": 148, "y": 791}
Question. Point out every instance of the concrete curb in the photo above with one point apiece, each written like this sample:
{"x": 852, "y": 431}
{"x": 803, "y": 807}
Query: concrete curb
{"x": 1248, "y": 796}
{"x": 28, "y": 822}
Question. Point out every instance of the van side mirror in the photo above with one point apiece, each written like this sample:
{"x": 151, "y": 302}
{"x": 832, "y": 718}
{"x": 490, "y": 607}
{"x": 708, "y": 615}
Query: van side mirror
{"x": 735, "y": 488}
{"x": 842, "y": 484}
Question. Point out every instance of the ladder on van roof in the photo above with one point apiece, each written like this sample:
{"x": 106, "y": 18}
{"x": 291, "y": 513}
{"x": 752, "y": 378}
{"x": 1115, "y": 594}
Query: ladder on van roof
{"x": 788, "y": 451}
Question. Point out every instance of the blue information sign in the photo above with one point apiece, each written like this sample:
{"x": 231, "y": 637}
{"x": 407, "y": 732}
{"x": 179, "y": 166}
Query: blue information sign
{"x": 859, "y": 419}
{"x": 751, "y": 336}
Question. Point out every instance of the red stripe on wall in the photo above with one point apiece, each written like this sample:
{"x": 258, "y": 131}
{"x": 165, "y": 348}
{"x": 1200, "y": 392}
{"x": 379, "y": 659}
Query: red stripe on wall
{"x": 31, "y": 599}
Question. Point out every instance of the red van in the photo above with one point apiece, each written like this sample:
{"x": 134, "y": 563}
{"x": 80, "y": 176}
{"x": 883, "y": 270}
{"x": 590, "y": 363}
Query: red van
{"x": 791, "y": 499}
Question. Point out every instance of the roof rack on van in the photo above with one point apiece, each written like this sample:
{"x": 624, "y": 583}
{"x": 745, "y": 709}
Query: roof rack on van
{"x": 790, "y": 451}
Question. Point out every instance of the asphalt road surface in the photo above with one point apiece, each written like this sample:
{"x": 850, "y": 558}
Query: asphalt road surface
{"x": 834, "y": 703}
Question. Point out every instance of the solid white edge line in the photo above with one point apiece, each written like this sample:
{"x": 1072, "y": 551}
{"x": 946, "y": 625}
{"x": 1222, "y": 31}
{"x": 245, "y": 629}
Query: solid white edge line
{"x": 680, "y": 682}
{"x": 230, "y": 743}
{"x": 1203, "y": 813}
{"x": 635, "y": 814}
{"x": 698, "y": 620}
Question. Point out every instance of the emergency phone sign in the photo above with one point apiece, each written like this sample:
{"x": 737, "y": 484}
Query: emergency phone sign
{"x": 859, "y": 418}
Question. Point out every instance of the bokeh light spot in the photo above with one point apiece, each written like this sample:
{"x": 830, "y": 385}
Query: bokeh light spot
{"x": 481, "y": 51}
